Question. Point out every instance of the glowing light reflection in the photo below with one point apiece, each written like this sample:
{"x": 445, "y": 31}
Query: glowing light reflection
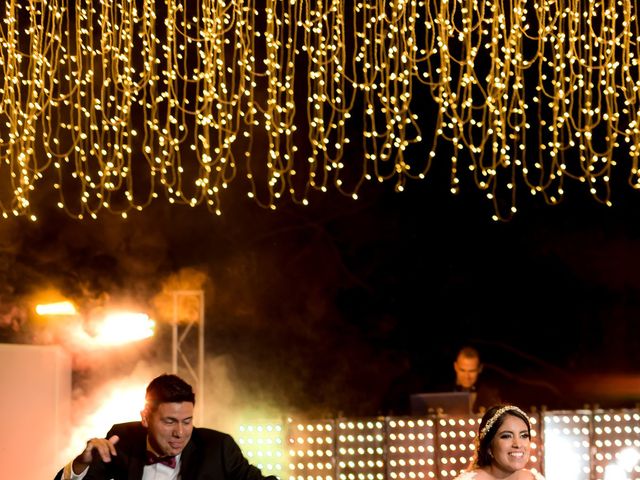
{"x": 57, "y": 308}
{"x": 562, "y": 461}
{"x": 614, "y": 472}
{"x": 628, "y": 458}
{"x": 123, "y": 327}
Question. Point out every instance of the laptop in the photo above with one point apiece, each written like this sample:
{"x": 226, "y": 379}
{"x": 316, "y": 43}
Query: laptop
{"x": 448, "y": 403}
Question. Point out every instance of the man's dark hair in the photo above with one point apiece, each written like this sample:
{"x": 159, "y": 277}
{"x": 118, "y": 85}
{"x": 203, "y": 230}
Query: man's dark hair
{"x": 468, "y": 352}
{"x": 168, "y": 388}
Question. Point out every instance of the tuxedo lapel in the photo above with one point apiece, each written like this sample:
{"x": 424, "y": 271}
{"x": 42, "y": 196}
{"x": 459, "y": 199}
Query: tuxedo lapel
{"x": 186, "y": 461}
{"x": 136, "y": 467}
{"x": 135, "y": 458}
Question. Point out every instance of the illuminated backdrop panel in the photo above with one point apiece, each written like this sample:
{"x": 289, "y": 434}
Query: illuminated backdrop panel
{"x": 566, "y": 445}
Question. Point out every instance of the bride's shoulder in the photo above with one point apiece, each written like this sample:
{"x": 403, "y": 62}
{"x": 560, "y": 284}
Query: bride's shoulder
{"x": 468, "y": 475}
{"x": 526, "y": 474}
{"x": 475, "y": 474}
{"x": 480, "y": 474}
{"x": 537, "y": 475}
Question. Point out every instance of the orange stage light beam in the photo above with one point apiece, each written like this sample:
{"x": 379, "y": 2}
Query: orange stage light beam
{"x": 56, "y": 308}
{"x": 123, "y": 327}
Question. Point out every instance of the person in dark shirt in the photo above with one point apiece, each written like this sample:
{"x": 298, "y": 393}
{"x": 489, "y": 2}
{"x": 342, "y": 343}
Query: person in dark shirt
{"x": 468, "y": 368}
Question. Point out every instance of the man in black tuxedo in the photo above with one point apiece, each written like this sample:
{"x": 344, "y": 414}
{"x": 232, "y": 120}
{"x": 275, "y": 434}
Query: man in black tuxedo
{"x": 164, "y": 445}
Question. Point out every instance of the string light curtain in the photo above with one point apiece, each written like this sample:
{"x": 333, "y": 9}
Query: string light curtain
{"x": 108, "y": 105}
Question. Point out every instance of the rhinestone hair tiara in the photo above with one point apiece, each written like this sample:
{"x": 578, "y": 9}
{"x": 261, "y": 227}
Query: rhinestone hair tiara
{"x": 496, "y": 416}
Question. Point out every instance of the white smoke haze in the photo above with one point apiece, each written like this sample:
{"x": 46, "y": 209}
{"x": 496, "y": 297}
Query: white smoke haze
{"x": 96, "y": 405}
{"x": 223, "y": 409}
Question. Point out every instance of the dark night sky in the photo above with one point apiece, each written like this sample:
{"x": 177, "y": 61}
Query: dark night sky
{"x": 348, "y": 306}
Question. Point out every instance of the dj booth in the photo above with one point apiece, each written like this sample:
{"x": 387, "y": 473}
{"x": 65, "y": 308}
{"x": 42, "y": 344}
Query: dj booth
{"x": 565, "y": 445}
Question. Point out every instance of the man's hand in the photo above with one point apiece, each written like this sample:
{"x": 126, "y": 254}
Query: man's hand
{"x": 106, "y": 448}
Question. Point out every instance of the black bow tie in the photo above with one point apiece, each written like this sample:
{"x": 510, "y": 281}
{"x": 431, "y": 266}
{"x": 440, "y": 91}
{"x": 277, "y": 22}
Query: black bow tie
{"x": 168, "y": 460}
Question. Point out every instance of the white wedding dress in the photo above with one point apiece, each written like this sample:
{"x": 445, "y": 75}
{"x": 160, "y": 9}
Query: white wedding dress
{"x": 471, "y": 475}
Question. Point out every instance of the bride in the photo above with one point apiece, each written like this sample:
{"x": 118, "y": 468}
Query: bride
{"x": 503, "y": 446}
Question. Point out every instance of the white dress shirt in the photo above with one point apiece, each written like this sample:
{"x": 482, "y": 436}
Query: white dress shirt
{"x": 157, "y": 471}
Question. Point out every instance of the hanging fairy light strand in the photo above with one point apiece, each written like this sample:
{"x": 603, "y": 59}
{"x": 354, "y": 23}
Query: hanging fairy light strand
{"x": 111, "y": 105}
